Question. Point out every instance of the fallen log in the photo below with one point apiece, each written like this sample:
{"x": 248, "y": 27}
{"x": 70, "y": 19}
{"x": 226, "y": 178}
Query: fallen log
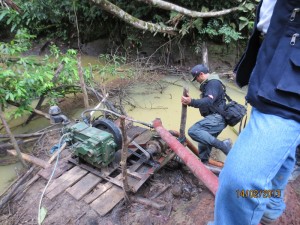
{"x": 20, "y": 142}
{"x": 148, "y": 202}
{"x": 20, "y": 192}
{"x": 37, "y": 176}
{"x": 160, "y": 192}
{"x": 22, "y": 135}
{"x": 53, "y": 157}
{"x": 31, "y": 159}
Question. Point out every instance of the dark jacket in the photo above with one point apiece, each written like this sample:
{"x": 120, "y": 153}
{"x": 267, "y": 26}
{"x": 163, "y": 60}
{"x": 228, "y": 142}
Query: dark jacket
{"x": 272, "y": 68}
{"x": 212, "y": 86}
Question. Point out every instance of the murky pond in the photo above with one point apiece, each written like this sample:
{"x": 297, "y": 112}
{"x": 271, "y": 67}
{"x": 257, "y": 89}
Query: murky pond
{"x": 164, "y": 104}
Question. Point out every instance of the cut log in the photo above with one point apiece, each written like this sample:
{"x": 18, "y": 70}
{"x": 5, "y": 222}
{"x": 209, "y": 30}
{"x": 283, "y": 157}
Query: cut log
{"x": 53, "y": 157}
{"x": 148, "y": 202}
{"x": 31, "y": 159}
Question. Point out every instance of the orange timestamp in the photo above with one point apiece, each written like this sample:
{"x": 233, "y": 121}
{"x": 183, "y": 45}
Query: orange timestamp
{"x": 253, "y": 193}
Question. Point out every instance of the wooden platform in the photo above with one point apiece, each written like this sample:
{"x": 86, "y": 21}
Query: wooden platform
{"x": 101, "y": 190}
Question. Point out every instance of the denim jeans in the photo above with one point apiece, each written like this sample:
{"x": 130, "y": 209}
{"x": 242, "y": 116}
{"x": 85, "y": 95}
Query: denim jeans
{"x": 259, "y": 163}
{"x": 205, "y": 132}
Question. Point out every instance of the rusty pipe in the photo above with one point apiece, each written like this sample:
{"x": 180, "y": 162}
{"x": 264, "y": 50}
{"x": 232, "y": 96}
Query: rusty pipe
{"x": 189, "y": 144}
{"x": 192, "y": 161}
{"x": 192, "y": 147}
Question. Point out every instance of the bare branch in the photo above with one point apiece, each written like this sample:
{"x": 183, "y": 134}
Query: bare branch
{"x": 172, "y": 7}
{"x": 140, "y": 24}
{"x": 10, "y": 4}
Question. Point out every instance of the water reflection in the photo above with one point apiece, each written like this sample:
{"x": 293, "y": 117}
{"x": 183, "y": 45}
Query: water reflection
{"x": 167, "y": 106}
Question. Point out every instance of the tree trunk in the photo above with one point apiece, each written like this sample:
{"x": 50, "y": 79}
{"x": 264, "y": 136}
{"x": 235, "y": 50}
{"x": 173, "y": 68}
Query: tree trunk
{"x": 183, "y": 116}
{"x": 205, "y": 54}
{"x": 12, "y": 138}
{"x": 82, "y": 83}
{"x": 124, "y": 158}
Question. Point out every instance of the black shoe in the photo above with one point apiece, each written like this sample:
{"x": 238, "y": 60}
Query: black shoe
{"x": 267, "y": 221}
{"x": 227, "y": 146}
{"x": 224, "y": 146}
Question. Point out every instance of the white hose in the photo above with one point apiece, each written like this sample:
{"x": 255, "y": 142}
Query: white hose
{"x": 56, "y": 162}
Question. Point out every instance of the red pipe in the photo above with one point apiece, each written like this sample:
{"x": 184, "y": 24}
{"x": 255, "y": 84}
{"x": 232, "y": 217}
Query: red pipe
{"x": 192, "y": 147}
{"x": 192, "y": 161}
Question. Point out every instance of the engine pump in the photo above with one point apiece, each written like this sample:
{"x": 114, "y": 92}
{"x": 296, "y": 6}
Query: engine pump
{"x": 95, "y": 145}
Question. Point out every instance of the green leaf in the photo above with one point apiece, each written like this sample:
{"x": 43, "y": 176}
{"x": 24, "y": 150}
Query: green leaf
{"x": 198, "y": 23}
{"x": 42, "y": 215}
{"x": 3, "y": 14}
{"x": 243, "y": 25}
{"x": 243, "y": 18}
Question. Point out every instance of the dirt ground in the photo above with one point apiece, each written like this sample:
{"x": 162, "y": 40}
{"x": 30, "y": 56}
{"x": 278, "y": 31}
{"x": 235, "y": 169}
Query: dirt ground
{"x": 187, "y": 202}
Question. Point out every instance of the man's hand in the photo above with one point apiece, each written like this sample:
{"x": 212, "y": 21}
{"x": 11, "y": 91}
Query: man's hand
{"x": 186, "y": 100}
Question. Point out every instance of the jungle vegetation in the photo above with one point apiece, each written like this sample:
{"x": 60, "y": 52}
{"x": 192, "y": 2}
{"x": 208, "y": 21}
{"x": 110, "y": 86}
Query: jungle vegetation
{"x": 123, "y": 22}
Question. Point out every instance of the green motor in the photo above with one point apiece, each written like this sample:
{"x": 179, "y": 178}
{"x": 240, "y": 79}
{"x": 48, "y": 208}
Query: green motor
{"x": 93, "y": 145}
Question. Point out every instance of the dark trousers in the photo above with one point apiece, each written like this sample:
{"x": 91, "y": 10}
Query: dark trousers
{"x": 205, "y": 132}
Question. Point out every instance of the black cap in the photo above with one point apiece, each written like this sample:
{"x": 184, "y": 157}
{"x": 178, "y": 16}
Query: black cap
{"x": 197, "y": 70}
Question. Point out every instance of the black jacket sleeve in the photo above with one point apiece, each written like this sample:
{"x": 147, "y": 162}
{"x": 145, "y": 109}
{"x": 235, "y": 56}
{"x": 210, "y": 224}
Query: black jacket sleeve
{"x": 213, "y": 88}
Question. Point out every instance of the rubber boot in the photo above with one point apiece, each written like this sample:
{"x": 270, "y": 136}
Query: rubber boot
{"x": 267, "y": 221}
{"x": 224, "y": 146}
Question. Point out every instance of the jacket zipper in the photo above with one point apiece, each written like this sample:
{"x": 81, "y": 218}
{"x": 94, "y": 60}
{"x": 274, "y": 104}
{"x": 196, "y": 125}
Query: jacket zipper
{"x": 293, "y": 16}
{"x": 294, "y": 38}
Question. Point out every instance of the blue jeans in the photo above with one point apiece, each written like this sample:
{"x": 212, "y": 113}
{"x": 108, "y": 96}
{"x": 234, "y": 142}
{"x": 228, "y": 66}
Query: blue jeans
{"x": 261, "y": 159}
{"x": 205, "y": 132}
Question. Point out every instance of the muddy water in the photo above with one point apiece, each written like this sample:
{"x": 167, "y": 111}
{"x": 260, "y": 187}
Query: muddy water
{"x": 8, "y": 174}
{"x": 149, "y": 105}
{"x": 167, "y": 106}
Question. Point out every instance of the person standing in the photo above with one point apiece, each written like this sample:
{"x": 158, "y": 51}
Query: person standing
{"x": 256, "y": 171}
{"x": 206, "y": 130}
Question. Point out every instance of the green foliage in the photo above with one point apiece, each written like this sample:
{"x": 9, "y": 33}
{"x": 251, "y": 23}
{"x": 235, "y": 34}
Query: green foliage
{"x": 246, "y": 19}
{"x": 216, "y": 28}
{"x": 57, "y": 19}
{"x": 112, "y": 64}
{"x": 11, "y": 18}
{"x": 21, "y": 43}
{"x": 23, "y": 79}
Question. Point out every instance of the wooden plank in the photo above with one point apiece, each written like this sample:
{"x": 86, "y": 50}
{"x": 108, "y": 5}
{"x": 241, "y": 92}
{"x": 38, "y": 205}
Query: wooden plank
{"x": 65, "y": 181}
{"x": 99, "y": 173}
{"x": 99, "y": 190}
{"x": 84, "y": 186}
{"x": 62, "y": 167}
{"x": 134, "y": 174}
{"x": 108, "y": 200}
